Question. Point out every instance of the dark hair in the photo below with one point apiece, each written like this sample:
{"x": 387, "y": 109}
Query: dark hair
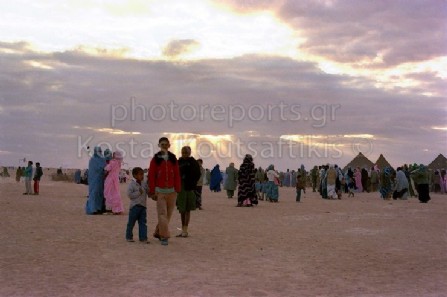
{"x": 37, "y": 164}
{"x": 163, "y": 139}
{"x": 137, "y": 170}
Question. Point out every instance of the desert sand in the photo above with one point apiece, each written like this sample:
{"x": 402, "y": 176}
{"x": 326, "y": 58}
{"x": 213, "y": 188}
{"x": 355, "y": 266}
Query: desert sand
{"x": 360, "y": 246}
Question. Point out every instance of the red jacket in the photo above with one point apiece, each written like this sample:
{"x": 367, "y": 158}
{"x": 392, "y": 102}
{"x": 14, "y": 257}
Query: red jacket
{"x": 164, "y": 174}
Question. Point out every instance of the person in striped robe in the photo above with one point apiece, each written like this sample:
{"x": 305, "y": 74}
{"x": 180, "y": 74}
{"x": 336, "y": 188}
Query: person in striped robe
{"x": 246, "y": 195}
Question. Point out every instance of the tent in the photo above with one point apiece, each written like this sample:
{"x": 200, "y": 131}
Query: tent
{"x": 359, "y": 161}
{"x": 439, "y": 163}
{"x": 382, "y": 162}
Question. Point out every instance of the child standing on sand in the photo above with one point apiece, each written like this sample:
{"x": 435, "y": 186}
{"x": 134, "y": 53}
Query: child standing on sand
{"x": 137, "y": 193}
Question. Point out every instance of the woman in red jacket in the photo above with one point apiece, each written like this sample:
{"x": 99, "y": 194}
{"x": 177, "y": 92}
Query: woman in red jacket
{"x": 164, "y": 184}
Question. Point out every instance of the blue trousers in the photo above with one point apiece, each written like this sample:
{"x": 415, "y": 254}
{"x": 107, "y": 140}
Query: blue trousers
{"x": 137, "y": 213}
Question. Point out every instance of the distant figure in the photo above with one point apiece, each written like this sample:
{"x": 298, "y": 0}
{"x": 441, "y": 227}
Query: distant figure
{"x": 137, "y": 192}
{"x": 286, "y": 181}
{"x": 18, "y": 174}
{"x": 5, "y": 172}
{"x": 364, "y": 180}
{"x": 385, "y": 184}
{"x": 231, "y": 181}
{"x": 374, "y": 178}
{"x": 215, "y": 179}
{"x": 112, "y": 193}
{"x": 401, "y": 187}
{"x": 28, "y": 177}
{"x": 207, "y": 177}
{"x": 358, "y": 179}
{"x": 246, "y": 195}
{"x": 314, "y": 175}
{"x": 272, "y": 192}
{"x": 84, "y": 179}
{"x": 303, "y": 177}
{"x": 443, "y": 181}
{"x": 37, "y": 176}
{"x": 331, "y": 179}
{"x": 299, "y": 185}
{"x": 95, "y": 202}
{"x": 260, "y": 183}
{"x": 77, "y": 176}
{"x": 420, "y": 177}
{"x": 199, "y": 185}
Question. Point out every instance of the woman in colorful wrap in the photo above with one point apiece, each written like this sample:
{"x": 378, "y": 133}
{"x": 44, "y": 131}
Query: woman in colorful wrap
{"x": 272, "y": 187}
{"x": 112, "y": 185}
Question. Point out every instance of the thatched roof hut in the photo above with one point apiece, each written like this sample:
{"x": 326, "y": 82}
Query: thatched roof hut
{"x": 439, "y": 163}
{"x": 359, "y": 161}
{"x": 382, "y": 162}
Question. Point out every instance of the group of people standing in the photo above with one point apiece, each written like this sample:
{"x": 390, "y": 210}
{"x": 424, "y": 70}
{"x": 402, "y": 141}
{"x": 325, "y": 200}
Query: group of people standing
{"x": 171, "y": 182}
{"x": 390, "y": 183}
{"x": 174, "y": 182}
{"x": 103, "y": 183}
{"x": 30, "y": 173}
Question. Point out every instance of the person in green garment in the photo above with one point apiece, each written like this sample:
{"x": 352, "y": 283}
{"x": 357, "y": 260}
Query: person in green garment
{"x": 231, "y": 181}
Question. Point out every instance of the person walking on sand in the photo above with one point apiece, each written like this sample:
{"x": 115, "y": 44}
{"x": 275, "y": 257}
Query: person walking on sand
{"x": 300, "y": 185}
{"x": 272, "y": 192}
{"x": 164, "y": 184}
{"x": 186, "y": 199}
{"x": 18, "y": 174}
{"x": 231, "y": 181}
{"x": 331, "y": 179}
{"x": 137, "y": 192}
{"x": 112, "y": 193}
{"x": 95, "y": 201}
{"x": 420, "y": 177}
{"x": 215, "y": 179}
{"x": 199, "y": 185}
{"x": 28, "y": 177}
{"x": 37, "y": 176}
{"x": 246, "y": 194}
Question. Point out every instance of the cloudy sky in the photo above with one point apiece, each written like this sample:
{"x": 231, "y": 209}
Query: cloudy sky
{"x": 291, "y": 82}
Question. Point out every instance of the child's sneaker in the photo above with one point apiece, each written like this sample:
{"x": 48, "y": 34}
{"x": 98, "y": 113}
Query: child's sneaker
{"x": 164, "y": 241}
{"x": 130, "y": 240}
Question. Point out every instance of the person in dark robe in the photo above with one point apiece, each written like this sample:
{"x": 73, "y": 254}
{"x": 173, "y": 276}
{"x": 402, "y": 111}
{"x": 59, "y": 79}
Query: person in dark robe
{"x": 186, "y": 199}
{"x": 215, "y": 179}
{"x": 246, "y": 195}
{"x": 420, "y": 177}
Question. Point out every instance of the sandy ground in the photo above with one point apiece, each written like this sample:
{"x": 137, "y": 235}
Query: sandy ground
{"x": 361, "y": 246}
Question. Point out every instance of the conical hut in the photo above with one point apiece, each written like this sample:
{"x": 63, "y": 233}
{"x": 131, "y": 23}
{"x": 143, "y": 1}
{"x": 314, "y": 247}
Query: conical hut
{"x": 382, "y": 162}
{"x": 439, "y": 163}
{"x": 359, "y": 161}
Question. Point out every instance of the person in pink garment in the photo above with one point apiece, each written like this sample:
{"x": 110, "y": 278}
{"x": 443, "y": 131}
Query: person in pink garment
{"x": 358, "y": 179}
{"x": 112, "y": 185}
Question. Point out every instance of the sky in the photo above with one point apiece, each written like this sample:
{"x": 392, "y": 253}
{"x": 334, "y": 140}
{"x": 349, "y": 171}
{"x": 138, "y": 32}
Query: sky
{"x": 290, "y": 82}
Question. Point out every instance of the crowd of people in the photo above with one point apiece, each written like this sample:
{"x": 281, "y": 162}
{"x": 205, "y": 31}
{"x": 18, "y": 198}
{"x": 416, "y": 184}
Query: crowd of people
{"x": 329, "y": 180}
{"x": 29, "y": 174}
{"x": 178, "y": 182}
